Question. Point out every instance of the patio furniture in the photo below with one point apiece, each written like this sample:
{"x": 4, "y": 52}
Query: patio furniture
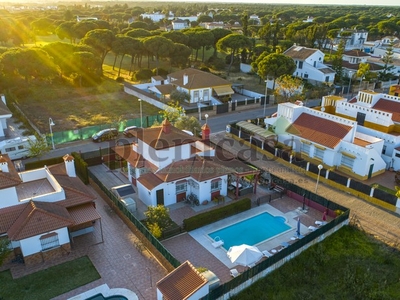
{"x": 234, "y": 272}
{"x": 312, "y": 228}
{"x": 266, "y": 253}
{"x": 320, "y": 223}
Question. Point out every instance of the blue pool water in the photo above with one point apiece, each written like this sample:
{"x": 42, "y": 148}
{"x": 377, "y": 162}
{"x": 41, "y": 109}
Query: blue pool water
{"x": 251, "y": 231}
{"x": 101, "y": 297}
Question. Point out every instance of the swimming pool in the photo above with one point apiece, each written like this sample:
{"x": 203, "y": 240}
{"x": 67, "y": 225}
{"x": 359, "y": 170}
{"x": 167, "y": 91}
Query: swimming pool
{"x": 101, "y": 297}
{"x": 252, "y": 230}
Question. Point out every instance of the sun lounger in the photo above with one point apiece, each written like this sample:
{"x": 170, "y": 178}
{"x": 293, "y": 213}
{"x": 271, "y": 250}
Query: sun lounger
{"x": 266, "y": 253}
{"x": 234, "y": 272}
{"x": 320, "y": 223}
{"x": 217, "y": 242}
{"x": 312, "y": 228}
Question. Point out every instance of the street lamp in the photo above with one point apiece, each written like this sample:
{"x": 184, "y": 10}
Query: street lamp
{"x": 319, "y": 172}
{"x": 206, "y": 116}
{"x": 351, "y": 74}
{"x": 266, "y": 91}
{"x": 51, "y": 124}
{"x": 141, "y": 116}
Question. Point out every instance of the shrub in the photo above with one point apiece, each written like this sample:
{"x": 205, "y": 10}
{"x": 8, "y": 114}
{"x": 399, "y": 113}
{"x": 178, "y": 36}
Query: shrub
{"x": 161, "y": 72}
{"x": 120, "y": 79}
{"x": 143, "y": 74}
{"x": 216, "y": 63}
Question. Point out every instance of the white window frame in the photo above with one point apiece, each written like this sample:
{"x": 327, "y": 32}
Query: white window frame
{"x": 305, "y": 148}
{"x": 319, "y": 153}
{"x": 347, "y": 161}
{"x": 181, "y": 187}
{"x": 216, "y": 185}
{"x": 49, "y": 241}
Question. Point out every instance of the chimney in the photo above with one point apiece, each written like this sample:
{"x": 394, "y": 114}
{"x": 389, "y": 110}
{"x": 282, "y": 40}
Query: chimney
{"x": 69, "y": 165}
{"x": 185, "y": 79}
{"x": 166, "y": 126}
{"x": 3, "y": 98}
{"x": 205, "y": 132}
{"x": 3, "y": 164}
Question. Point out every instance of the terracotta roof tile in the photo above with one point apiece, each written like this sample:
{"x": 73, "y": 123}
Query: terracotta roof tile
{"x": 83, "y": 213}
{"x": 164, "y": 137}
{"x": 4, "y": 110}
{"x": 8, "y": 215}
{"x": 135, "y": 159}
{"x": 38, "y": 217}
{"x": 319, "y": 130}
{"x": 10, "y": 178}
{"x": 181, "y": 283}
{"x": 75, "y": 197}
{"x": 299, "y": 52}
{"x": 149, "y": 180}
{"x": 390, "y": 107}
{"x": 356, "y": 53}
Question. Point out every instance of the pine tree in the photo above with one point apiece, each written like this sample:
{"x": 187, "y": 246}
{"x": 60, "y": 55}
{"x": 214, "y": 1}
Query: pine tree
{"x": 386, "y": 73}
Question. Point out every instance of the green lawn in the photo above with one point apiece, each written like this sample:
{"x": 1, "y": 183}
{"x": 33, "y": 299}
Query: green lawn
{"x": 347, "y": 265}
{"x": 48, "y": 283}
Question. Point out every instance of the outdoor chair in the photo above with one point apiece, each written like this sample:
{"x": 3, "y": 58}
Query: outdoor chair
{"x": 234, "y": 272}
{"x": 266, "y": 253}
{"x": 320, "y": 223}
{"x": 312, "y": 228}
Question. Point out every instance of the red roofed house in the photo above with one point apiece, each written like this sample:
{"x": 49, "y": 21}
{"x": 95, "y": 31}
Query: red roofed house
{"x": 40, "y": 210}
{"x": 167, "y": 164}
{"x": 377, "y": 115}
{"x": 327, "y": 139}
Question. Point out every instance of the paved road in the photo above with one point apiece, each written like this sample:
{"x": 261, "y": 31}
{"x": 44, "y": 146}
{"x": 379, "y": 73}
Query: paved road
{"x": 382, "y": 224}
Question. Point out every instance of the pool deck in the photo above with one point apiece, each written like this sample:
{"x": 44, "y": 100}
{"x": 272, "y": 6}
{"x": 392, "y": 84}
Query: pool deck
{"x": 196, "y": 246}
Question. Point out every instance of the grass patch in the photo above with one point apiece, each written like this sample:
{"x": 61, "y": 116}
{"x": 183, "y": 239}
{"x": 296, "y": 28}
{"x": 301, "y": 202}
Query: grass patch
{"x": 48, "y": 283}
{"x": 347, "y": 265}
{"x": 384, "y": 188}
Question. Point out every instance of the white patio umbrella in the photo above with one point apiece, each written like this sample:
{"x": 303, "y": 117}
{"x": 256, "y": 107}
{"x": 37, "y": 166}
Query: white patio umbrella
{"x": 244, "y": 255}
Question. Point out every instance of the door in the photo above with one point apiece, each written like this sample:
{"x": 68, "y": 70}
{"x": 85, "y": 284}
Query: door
{"x": 160, "y": 197}
{"x": 371, "y": 167}
{"x": 360, "y": 118}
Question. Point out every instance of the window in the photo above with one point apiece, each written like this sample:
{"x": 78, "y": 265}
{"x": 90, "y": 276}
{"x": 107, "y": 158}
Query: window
{"x": 306, "y": 75}
{"x": 20, "y": 147}
{"x": 10, "y": 149}
{"x": 384, "y": 149}
{"x": 347, "y": 161}
{"x": 305, "y": 148}
{"x": 49, "y": 241}
{"x": 327, "y": 79}
{"x": 215, "y": 185}
{"x": 132, "y": 171}
{"x": 205, "y": 95}
{"x": 300, "y": 65}
{"x": 196, "y": 95}
{"x": 397, "y": 154}
{"x": 319, "y": 153}
{"x": 181, "y": 187}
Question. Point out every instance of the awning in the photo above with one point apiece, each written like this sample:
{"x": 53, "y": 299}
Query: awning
{"x": 252, "y": 128}
{"x": 223, "y": 90}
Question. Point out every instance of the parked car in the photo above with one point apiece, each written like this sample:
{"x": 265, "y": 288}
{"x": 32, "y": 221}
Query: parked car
{"x": 127, "y": 129}
{"x": 105, "y": 135}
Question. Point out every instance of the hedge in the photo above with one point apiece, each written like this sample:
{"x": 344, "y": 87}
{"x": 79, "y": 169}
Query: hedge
{"x": 220, "y": 213}
{"x": 41, "y": 163}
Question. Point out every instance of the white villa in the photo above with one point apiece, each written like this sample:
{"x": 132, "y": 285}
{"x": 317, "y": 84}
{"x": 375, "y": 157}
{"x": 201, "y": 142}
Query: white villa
{"x": 310, "y": 64}
{"x": 42, "y": 210}
{"x": 327, "y": 139}
{"x": 167, "y": 164}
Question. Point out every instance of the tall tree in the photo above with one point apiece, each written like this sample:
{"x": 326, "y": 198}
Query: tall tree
{"x": 159, "y": 46}
{"x": 232, "y": 44}
{"x": 275, "y": 65}
{"x": 337, "y": 62}
{"x": 245, "y": 23}
{"x": 101, "y": 40}
{"x": 387, "y": 59}
{"x": 219, "y": 33}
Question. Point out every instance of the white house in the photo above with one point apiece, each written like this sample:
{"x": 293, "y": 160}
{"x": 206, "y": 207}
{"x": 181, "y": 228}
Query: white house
{"x": 155, "y": 17}
{"x": 167, "y": 164}
{"x": 377, "y": 115}
{"x": 354, "y": 39}
{"x": 41, "y": 209}
{"x": 179, "y": 24}
{"x": 310, "y": 64}
{"x": 328, "y": 139}
{"x": 5, "y": 114}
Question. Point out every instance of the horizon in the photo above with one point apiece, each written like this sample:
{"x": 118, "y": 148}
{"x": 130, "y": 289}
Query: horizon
{"x": 268, "y": 2}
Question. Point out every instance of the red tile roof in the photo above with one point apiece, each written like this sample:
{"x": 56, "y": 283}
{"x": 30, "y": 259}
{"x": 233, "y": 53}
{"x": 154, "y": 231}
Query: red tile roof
{"x": 319, "y": 130}
{"x": 38, "y": 217}
{"x": 299, "y": 52}
{"x": 74, "y": 197}
{"x": 163, "y": 137}
{"x": 181, "y": 283}
{"x": 390, "y": 107}
{"x": 197, "y": 79}
{"x": 135, "y": 159}
{"x": 149, "y": 180}
{"x": 83, "y": 213}
{"x": 10, "y": 178}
